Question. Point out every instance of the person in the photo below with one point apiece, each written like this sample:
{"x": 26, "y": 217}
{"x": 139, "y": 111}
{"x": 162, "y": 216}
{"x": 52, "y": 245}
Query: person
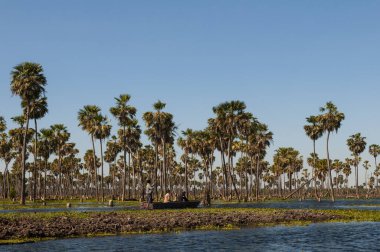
{"x": 149, "y": 191}
{"x": 167, "y": 197}
{"x": 183, "y": 197}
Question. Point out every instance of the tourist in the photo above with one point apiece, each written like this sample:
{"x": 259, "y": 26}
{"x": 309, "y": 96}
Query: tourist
{"x": 167, "y": 197}
{"x": 183, "y": 197}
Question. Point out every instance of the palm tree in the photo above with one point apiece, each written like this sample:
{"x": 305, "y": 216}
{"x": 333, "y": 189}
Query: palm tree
{"x": 330, "y": 121}
{"x": 110, "y": 156}
{"x": 377, "y": 174}
{"x": 91, "y": 163}
{"x": 314, "y": 131}
{"x": 356, "y": 143}
{"x": 87, "y": 118}
{"x": 46, "y": 149}
{"x": 185, "y": 143}
{"x": 133, "y": 145}
{"x": 366, "y": 166}
{"x": 262, "y": 140}
{"x": 347, "y": 171}
{"x": 28, "y": 82}
{"x": 125, "y": 114}
{"x": 160, "y": 130}
{"x": 374, "y": 150}
{"x": 60, "y": 136}
{"x": 290, "y": 162}
{"x": 38, "y": 109}
{"x": 101, "y": 131}
{"x": 6, "y": 154}
{"x": 229, "y": 119}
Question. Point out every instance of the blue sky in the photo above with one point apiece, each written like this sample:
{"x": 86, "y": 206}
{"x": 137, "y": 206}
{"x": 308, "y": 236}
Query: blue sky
{"x": 285, "y": 59}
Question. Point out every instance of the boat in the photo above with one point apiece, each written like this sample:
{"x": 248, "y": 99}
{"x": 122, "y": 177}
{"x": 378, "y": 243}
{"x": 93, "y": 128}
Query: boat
{"x": 170, "y": 205}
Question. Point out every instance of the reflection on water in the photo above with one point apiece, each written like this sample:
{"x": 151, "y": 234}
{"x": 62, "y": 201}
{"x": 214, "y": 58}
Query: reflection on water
{"x": 362, "y": 236}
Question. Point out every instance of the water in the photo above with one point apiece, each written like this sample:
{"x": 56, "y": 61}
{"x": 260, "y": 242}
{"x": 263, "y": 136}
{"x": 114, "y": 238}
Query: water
{"x": 353, "y": 236}
{"x": 363, "y": 204}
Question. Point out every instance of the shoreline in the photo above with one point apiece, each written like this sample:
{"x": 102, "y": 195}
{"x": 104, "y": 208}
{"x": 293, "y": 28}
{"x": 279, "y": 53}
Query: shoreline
{"x": 33, "y": 227}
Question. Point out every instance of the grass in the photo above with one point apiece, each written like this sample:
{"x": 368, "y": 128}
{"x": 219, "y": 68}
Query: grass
{"x": 10, "y": 205}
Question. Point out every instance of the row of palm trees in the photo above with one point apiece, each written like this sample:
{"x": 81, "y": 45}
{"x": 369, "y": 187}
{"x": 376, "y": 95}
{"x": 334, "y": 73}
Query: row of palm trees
{"x": 225, "y": 160}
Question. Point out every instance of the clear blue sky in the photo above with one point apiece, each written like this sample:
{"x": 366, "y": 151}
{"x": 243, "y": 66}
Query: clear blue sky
{"x": 285, "y": 59}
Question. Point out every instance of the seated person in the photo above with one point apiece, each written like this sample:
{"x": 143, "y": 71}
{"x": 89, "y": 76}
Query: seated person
{"x": 183, "y": 197}
{"x": 167, "y": 197}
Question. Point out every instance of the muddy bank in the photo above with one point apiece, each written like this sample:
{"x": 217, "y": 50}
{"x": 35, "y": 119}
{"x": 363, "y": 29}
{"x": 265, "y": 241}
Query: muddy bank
{"x": 67, "y": 225}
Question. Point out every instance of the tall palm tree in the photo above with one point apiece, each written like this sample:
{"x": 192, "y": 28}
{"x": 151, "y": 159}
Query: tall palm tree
{"x": 91, "y": 163}
{"x": 46, "y": 149}
{"x": 133, "y": 144}
{"x": 330, "y": 121}
{"x": 38, "y": 109}
{"x": 262, "y": 140}
{"x": 28, "y": 82}
{"x": 125, "y": 114}
{"x": 61, "y": 136}
{"x": 160, "y": 130}
{"x": 87, "y": 118}
{"x": 356, "y": 143}
{"x": 101, "y": 130}
{"x": 110, "y": 156}
{"x": 6, "y": 154}
{"x": 314, "y": 131}
{"x": 229, "y": 118}
{"x": 374, "y": 150}
{"x": 366, "y": 166}
{"x": 185, "y": 143}
{"x": 347, "y": 171}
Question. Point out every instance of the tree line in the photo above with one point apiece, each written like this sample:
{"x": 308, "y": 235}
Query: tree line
{"x": 226, "y": 160}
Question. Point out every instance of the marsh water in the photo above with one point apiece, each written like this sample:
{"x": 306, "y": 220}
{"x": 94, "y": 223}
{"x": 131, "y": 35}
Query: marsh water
{"x": 370, "y": 204}
{"x": 352, "y": 236}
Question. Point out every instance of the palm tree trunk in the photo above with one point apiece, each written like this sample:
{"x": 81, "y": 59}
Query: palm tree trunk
{"x": 211, "y": 164}
{"x": 186, "y": 178}
{"x": 59, "y": 174}
{"x": 329, "y": 168}
{"x": 5, "y": 179}
{"x": 35, "y": 160}
{"x": 101, "y": 179}
{"x": 377, "y": 180}
{"x": 313, "y": 171}
{"x": 164, "y": 166}
{"x": 156, "y": 168}
{"x": 129, "y": 175}
{"x": 46, "y": 163}
{"x": 95, "y": 167}
{"x": 357, "y": 179}
{"x": 224, "y": 168}
{"x": 257, "y": 177}
{"x": 23, "y": 157}
{"x": 225, "y": 184}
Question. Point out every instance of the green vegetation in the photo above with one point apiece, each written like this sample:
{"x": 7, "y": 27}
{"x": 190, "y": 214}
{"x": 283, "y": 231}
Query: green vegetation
{"x": 9, "y": 205}
{"x": 225, "y": 219}
{"x": 44, "y": 164}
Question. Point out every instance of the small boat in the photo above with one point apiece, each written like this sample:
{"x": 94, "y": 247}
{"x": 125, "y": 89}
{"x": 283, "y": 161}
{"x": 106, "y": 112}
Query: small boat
{"x": 170, "y": 205}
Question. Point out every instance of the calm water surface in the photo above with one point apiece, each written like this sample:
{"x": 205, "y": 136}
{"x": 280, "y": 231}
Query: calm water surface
{"x": 370, "y": 204}
{"x": 354, "y": 236}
